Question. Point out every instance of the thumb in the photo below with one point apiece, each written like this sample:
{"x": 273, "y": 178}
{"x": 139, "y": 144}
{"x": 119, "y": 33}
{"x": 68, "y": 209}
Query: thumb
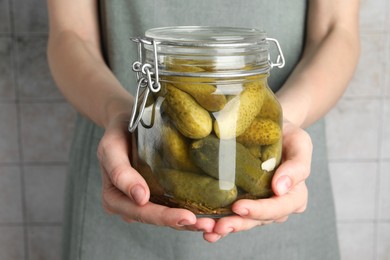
{"x": 114, "y": 160}
{"x": 295, "y": 168}
{"x": 288, "y": 175}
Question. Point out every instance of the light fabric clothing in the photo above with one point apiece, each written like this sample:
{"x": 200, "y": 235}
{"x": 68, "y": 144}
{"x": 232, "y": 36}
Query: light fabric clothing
{"x": 89, "y": 233}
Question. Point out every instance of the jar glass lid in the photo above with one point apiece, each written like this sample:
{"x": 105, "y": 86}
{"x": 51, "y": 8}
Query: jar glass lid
{"x": 206, "y": 36}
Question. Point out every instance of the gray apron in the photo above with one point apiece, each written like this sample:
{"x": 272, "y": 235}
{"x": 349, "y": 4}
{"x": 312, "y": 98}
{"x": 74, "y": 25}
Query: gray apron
{"x": 90, "y": 234}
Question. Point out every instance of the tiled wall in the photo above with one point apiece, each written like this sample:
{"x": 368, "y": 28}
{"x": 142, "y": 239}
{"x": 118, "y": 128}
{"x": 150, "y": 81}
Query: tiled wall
{"x": 36, "y": 126}
{"x": 358, "y": 132}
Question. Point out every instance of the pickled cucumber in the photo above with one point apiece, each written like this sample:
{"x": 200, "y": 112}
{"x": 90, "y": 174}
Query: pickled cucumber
{"x": 255, "y": 150}
{"x": 271, "y": 108}
{"x": 239, "y": 113}
{"x": 175, "y": 150}
{"x": 207, "y": 155}
{"x": 204, "y": 94}
{"x": 187, "y": 115}
{"x": 146, "y": 172}
{"x": 272, "y": 151}
{"x": 262, "y": 131}
{"x": 196, "y": 188}
{"x": 185, "y": 65}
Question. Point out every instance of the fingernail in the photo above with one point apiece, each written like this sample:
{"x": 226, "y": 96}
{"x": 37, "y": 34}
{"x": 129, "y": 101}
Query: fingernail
{"x": 138, "y": 193}
{"x": 242, "y": 211}
{"x": 217, "y": 237}
{"x": 283, "y": 185}
{"x": 184, "y": 222}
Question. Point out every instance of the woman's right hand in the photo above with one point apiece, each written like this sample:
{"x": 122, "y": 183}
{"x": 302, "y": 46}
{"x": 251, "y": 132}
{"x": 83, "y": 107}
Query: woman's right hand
{"x": 126, "y": 193}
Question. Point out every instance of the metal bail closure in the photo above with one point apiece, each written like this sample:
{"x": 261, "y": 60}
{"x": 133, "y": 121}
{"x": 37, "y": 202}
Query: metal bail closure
{"x": 280, "y": 62}
{"x": 148, "y": 81}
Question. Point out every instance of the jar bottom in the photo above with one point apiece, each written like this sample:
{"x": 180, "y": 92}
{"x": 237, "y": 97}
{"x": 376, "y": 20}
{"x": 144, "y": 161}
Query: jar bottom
{"x": 199, "y": 210}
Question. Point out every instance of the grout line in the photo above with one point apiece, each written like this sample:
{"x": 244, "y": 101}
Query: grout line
{"x": 42, "y": 100}
{"x": 11, "y": 224}
{"x": 353, "y": 160}
{"x": 45, "y": 224}
{"x": 8, "y": 100}
{"x": 31, "y": 224}
{"x": 384, "y": 221}
{"x": 51, "y": 163}
{"x": 349, "y": 96}
{"x": 31, "y": 34}
{"x": 23, "y": 34}
{"x": 34, "y": 101}
{"x": 14, "y": 56}
{"x": 381, "y": 134}
{"x": 346, "y": 97}
{"x": 356, "y": 221}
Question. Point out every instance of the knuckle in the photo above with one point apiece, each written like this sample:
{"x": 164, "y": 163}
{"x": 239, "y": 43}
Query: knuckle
{"x": 139, "y": 218}
{"x": 305, "y": 171}
{"x": 116, "y": 174}
{"x": 106, "y": 206}
{"x": 100, "y": 152}
{"x": 301, "y": 173}
{"x": 128, "y": 220}
{"x": 281, "y": 220}
{"x": 301, "y": 209}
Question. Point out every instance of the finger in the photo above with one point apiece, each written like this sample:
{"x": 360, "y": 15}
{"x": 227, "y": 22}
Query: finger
{"x": 281, "y": 220}
{"x": 128, "y": 220}
{"x": 204, "y": 225}
{"x": 297, "y": 152}
{"x": 113, "y": 156}
{"x": 232, "y": 224}
{"x": 149, "y": 213}
{"x": 274, "y": 208}
{"x": 211, "y": 237}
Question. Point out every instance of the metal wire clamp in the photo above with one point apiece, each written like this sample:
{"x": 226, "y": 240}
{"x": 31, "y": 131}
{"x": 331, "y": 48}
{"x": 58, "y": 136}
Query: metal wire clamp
{"x": 148, "y": 81}
{"x": 280, "y": 61}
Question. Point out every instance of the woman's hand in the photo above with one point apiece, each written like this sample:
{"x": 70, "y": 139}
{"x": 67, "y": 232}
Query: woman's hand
{"x": 288, "y": 184}
{"x": 126, "y": 193}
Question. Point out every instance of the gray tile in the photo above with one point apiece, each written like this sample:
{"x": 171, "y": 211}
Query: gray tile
{"x": 9, "y": 148}
{"x": 30, "y": 16}
{"x": 47, "y": 130}
{"x": 354, "y": 188}
{"x": 372, "y": 15}
{"x": 383, "y": 241}
{"x": 44, "y": 189}
{"x": 44, "y": 242}
{"x": 34, "y": 78}
{"x": 387, "y": 83}
{"x": 386, "y": 130}
{"x": 10, "y": 195}
{"x": 11, "y": 243}
{"x": 7, "y": 88}
{"x": 352, "y": 129}
{"x": 384, "y": 196}
{"x": 4, "y": 17}
{"x": 370, "y": 74}
{"x": 356, "y": 240}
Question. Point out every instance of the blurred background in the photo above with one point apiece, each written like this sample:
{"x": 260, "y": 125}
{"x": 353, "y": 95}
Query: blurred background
{"x": 36, "y": 129}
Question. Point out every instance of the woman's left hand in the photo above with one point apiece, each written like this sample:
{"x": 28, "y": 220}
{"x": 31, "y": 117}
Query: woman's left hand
{"x": 288, "y": 184}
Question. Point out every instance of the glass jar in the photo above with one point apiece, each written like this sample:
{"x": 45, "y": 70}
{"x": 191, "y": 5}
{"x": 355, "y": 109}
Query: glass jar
{"x": 208, "y": 129}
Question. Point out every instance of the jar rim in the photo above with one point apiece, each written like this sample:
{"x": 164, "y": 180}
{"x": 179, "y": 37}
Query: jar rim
{"x": 207, "y": 36}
